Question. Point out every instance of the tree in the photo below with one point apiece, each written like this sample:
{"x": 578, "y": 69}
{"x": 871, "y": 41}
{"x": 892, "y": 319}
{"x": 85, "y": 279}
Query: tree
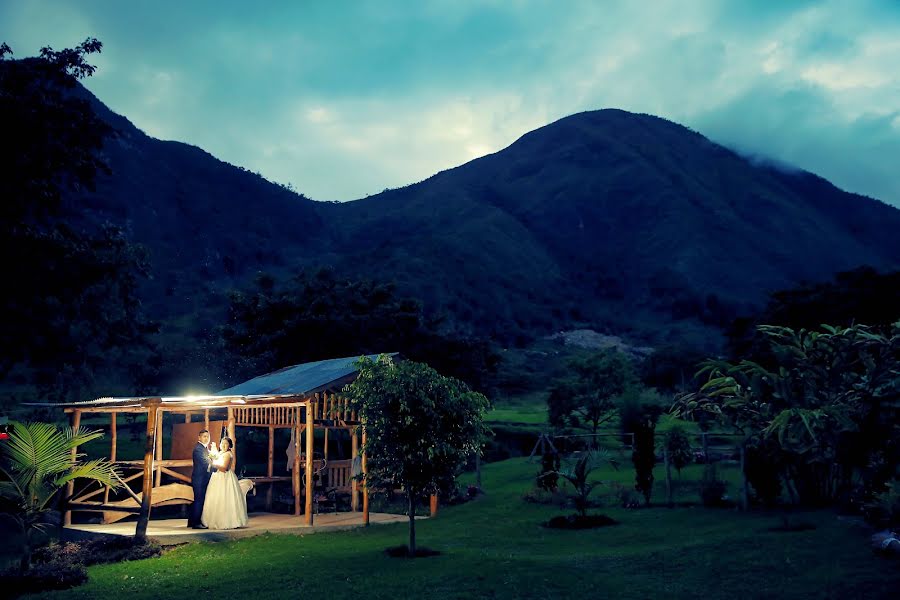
{"x": 830, "y": 403}
{"x": 639, "y": 414}
{"x": 678, "y": 447}
{"x": 319, "y": 314}
{"x": 590, "y": 396}
{"x": 75, "y": 282}
{"x": 36, "y": 463}
{"x": 579, "y": 474}
{"x": 421, "y": 428}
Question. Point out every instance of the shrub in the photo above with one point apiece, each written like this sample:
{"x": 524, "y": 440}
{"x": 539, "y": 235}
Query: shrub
{"x": 712, "y": 489}
{"x": 548, "y": 476}
{"x": 678, "y": 447}
{"x": 761, "y": 468}
{"x": 96, "y": 552}
{"x": 884, "y": 508}
{"x": 548, "y": 497}
{"x": 580, "y": 522}
{"x": 54, "y": 575}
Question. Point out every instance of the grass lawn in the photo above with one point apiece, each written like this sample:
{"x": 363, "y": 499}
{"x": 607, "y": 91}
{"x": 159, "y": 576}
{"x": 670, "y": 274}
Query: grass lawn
{"x": 496, "y": 547}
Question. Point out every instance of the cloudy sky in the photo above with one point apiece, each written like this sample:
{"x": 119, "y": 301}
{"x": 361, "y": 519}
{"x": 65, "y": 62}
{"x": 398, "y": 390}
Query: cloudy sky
{"x": 343, "y": 99}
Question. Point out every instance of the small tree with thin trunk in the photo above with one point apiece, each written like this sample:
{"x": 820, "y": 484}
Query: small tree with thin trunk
{"x": 421, "y": 427}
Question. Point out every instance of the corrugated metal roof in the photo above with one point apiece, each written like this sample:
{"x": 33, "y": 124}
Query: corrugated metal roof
{"x": 216, "y": 401}
{"x": 304, "y": 378}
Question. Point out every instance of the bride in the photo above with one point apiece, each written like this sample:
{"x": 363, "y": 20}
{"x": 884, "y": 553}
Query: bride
{"x": 226, "y": 503}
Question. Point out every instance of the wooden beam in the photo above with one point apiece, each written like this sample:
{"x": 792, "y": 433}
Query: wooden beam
{"x": 270, "y": 467}
{"x": 112, "y": 448}
{"x": 176, "y": 475}
{"x": 98, "y": 507}
{"x": 433, "y": 505}
{"x": 229, "y": 424}
{"x": 128, "y": 489}
{"x": 206, "y": 419}
{"x": 158, "y": 445}
{"x": 310, "y": 438}
{"x": 354, "y": 484}
{"x": 295, "y": 475}
{"x": 365, "y": 470}
{"x": 187, "y": 417}
{"x": 169, "y": 462}
{"x": 70, "y": 487}
{"x": 140, "y": 533}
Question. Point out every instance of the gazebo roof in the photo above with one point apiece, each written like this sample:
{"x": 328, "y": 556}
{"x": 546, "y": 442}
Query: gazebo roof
{"x": 302, "y": 379}
{"x": 290, "y": 384}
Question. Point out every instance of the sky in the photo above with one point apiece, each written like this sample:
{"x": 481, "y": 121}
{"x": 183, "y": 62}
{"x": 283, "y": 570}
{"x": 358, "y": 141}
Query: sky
{"x": 344, "y": 99}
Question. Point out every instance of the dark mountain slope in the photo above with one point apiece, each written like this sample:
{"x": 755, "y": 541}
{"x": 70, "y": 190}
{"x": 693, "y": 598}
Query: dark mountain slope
{"x": 208, "y": 225}
{"x": 610, "y": 206}
{"x": 604, "y": 218}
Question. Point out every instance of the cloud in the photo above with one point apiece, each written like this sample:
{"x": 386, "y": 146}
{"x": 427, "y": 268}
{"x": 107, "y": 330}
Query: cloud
{"x": 344, "y": 100}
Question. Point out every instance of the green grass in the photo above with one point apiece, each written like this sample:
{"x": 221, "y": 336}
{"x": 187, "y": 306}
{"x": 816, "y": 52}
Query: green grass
{"x": 496, "y": 547}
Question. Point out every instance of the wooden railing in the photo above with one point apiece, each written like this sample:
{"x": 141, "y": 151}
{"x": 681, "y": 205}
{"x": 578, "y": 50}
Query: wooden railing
{"x": 325, "y": 407}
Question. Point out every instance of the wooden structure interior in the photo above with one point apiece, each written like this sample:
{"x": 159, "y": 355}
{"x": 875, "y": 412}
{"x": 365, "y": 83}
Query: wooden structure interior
{"x": 160, "y": 481}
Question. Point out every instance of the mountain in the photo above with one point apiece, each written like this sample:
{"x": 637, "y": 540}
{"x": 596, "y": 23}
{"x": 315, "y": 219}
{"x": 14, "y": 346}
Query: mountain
{"x": 623, "y": 222}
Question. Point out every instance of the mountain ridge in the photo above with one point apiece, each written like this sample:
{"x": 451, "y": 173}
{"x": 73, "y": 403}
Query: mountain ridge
{"x": 624, "y": 222}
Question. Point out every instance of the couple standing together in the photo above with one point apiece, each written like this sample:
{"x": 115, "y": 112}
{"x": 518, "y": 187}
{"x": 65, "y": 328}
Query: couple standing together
{"x": 219, "y": 501}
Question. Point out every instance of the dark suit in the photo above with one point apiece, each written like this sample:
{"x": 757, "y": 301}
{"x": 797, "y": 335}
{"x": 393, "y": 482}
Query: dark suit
{"x": 199, "y": 480}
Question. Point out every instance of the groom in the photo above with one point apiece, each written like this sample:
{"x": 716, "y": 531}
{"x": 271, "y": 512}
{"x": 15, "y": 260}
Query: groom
{"x": 200, "y": 479}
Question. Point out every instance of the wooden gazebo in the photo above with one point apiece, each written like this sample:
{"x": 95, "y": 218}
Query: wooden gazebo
{"x": 302, "y": 398}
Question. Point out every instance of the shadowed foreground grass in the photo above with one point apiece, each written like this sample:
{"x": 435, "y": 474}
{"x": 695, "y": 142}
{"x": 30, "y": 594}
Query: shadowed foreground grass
{"x": 495, "y": 547}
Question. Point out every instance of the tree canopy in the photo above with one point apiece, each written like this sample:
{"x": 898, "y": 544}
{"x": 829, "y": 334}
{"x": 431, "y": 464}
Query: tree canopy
{"x": 829, "y": 405}
{"x": 318, "y": 314}
{"x": 588, "y": 398}
{"x": 73, "y": 300}
{"x": 421, "y": 427}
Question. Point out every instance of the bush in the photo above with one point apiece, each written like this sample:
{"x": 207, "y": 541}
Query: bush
{"x": 580, "y": 522}
{"x": 96, "y": 552}
{"x": 884, "y": 508}
{"x": 548, "y": 476}
{"x": 42, "y": 577}
{"x": 761, "y": 468}
{"x": 678, "y": 447}
{"x": 548, "y": 497}
{"x": 712, "y": 489}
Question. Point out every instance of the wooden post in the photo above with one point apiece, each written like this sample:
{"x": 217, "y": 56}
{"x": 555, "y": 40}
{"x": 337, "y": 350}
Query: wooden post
{"x": 295, "y": 475}
{"x": 310, "y": 438}
{"x": 668, "y": 477}
{"x": 270, "y": 466}
{"x": 70, "y": 487}
{"x": 365, "y": 470}
{"x": 159, "y": 449}
{"x": 432, "y": 505}
{"x": 354, "y": 484}
{"x": 187, "y": 417}
{"x": 325, "y": 451}
{"x": 230, "y": 429}
{"x": 152, "y": 405}
{"x": 112, "y": 449}
{"x": 206, "y": 420}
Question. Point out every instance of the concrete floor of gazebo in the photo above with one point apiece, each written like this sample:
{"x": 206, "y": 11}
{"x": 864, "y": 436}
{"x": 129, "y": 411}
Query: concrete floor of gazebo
{"x": 175, "y": 531}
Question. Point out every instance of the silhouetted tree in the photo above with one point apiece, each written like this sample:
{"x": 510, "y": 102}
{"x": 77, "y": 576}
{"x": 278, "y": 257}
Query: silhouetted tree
{"x": 589, "y": 397}
{"x": 71, "y": 303}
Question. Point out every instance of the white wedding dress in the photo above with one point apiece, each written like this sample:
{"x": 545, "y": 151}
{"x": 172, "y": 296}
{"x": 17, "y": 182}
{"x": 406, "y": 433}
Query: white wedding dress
{"x": 226, "y": 502}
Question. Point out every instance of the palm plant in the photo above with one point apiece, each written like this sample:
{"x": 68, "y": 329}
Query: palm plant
{"x": 578, "y": 474}
{"x": 36, "y": 462}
